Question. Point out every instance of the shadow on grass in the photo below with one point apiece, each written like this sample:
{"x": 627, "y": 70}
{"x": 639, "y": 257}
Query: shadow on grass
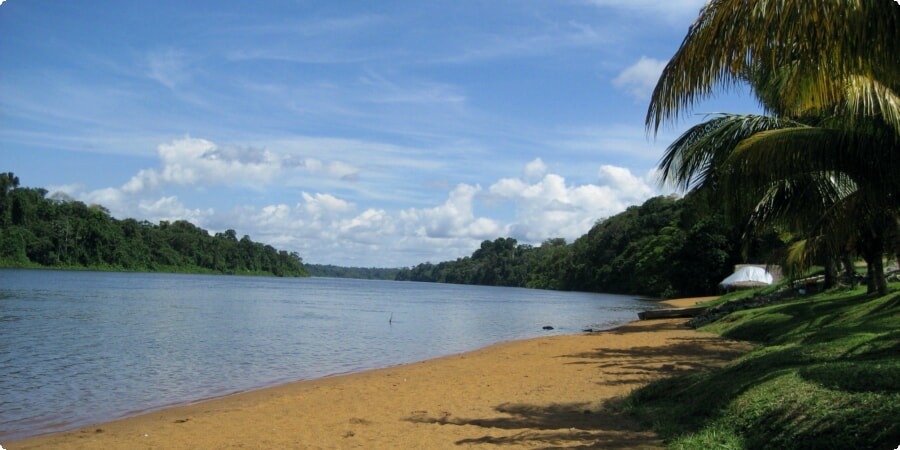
{"x": 552, "y": 426}
{"x": 826, "y": 379}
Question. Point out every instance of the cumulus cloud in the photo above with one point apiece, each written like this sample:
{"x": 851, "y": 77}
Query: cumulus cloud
{"x": 629, "y": 187}
{"x": 191, "y": 161}
{"x": 319, "y": 205}
{"x": 455, "y": 218}
{"x": 326, "y": 228}
{"x": 640, "y": 78}
{"x": 549, "y": 207}
{"x": 535, "y": 170}
{"x": 171, "y": 209}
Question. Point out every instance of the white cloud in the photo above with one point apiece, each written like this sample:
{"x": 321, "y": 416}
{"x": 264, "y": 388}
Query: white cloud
{"x": 455, "y": 218}
{"x": 191, "y": 161}
{"x": 550, "y": 208}
{"x": 319, "y": 205}
{"x": 640, "y": 78}
{"x": 535, "y": 170}
{"x": 110, "y": 198}
{"x": 171, "y": 209}
{"x": 630, "y": 187}
{"x": 66, "y": 190}
{"x": 122, "y": 204}
{"x": 328, "y": 229}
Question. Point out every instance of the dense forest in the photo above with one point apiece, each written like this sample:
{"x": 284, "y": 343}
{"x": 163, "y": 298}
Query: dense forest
{"x": 665, "y": 247}
{"x": 362, "y": 273}
{"x": 36, "y": 231}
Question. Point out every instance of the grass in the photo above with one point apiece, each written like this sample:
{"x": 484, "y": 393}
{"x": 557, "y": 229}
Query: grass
{"x": 744, "y": 293}
{"x": 826, "y": 375}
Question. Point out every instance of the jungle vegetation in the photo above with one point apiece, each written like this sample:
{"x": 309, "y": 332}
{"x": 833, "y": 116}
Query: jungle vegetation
{"x": 361, "y": 273}
{"x": 58, "y": 232}
{"x": 663, "y": 248}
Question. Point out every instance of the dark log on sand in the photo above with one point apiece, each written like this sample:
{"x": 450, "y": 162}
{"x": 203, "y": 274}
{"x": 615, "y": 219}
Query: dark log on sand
{"x": 671, "y": 313}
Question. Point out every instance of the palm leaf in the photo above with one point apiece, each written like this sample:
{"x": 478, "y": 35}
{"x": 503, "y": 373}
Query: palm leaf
{"x": 828, "y": 41}
{"x": 772, "y": 155}
{"x": 693, "y": 161}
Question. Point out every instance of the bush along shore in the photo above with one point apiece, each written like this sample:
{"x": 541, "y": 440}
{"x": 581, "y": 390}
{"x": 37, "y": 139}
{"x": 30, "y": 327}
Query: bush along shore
{"x": 826, "y": 374}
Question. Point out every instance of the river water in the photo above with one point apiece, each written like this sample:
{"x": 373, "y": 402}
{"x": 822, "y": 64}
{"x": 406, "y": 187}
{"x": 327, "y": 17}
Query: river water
{"x": 78, "y": 348}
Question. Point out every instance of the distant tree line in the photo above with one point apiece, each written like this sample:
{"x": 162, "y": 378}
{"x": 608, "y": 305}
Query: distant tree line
{"x": 363, "y": 273}
{"x": 60, "y": 232}
{"x": 665, "y": 247}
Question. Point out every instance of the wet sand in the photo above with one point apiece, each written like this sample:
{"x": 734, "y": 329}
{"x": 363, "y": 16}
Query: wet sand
{"x": 536, "y": 393}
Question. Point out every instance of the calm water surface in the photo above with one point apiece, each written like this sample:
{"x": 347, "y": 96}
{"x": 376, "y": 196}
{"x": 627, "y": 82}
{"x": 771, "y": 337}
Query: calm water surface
{"x": 83, "y": 347}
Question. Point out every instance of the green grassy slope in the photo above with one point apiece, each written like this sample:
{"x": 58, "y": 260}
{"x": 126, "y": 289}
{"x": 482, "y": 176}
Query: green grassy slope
{"x": 826, "y": 375}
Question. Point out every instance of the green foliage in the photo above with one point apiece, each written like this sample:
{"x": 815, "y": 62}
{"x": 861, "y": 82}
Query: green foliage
{"x": 39, "y": 232}
{"x": 824, "y": 376}
{"x": 361, "y": 273}
{"x": 665, "y": 247}
{"x": 502, "y": 262}
{"x": 822, "y": 162}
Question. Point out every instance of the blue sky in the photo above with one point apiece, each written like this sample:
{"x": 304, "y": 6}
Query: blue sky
{"x": 356, "y": 133}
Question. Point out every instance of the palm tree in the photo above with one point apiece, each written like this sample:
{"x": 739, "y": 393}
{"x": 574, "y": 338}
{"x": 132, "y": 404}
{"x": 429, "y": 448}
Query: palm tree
{"x": 828, "y": 53}
{"x": 824, "y": 162}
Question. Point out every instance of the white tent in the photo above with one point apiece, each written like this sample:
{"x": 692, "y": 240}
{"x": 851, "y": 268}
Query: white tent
{"x": 748, "y": 276}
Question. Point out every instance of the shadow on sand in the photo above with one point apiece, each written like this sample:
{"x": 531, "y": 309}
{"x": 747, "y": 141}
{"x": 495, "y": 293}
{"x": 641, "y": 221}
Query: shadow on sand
{"x": 598, "y": 424}
{"x": 569, "y": 425}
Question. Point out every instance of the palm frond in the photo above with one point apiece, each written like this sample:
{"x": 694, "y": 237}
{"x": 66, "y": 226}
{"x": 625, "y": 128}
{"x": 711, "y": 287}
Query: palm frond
{"x": 865, "y": 97}
{"x": 801, "y": 255}
{"x": 829, "y": 41}
{"x": 694, "y": 159}
{"x": 773, "y": 155}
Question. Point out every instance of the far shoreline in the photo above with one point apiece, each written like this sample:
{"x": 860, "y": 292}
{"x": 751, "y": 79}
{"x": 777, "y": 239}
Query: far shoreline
{"x": 190, "y": 271}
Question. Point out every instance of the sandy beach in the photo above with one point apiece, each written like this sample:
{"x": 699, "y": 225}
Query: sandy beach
{"x": 537, "y": 393}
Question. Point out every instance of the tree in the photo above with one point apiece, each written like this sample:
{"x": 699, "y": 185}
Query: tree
{"x": 836, "y": 52}
{"x": 823, "y": 163}
{"x": 8, "y": 182}
{"x": 59, "y": 231}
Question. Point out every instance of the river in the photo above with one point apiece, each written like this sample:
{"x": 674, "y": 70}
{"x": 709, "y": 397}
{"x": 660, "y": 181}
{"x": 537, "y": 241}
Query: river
{"x": 78, "y": 348}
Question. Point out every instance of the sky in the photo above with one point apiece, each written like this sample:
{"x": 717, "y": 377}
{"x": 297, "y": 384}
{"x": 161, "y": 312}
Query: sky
{"x": 375, "y": 134}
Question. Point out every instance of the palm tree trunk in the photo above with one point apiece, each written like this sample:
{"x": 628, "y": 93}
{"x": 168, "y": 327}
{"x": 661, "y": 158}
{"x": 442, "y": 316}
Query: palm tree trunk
{"x": 878, "y": 276}
{"x": 875, "y": 280}
{"x": 849, "y": 270}
{"x": 830, "y": 271}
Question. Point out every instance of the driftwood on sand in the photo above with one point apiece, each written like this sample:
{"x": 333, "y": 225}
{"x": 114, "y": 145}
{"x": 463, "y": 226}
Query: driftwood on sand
{"x": 671, "y": 313}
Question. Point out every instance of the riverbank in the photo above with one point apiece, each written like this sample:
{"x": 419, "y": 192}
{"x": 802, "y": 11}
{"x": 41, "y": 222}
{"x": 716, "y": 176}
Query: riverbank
{"x": 548, "y": 391}
{"x": 179, "y": 270}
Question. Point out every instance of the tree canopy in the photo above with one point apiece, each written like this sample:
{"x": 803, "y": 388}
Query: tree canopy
{"x": 40, "y": 231}
{"x": 665, "y": 247}
{"x": 822, "y": 163}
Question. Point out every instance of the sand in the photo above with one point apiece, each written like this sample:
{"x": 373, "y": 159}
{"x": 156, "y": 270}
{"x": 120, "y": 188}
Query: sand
{"x": 536, "y": 393}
